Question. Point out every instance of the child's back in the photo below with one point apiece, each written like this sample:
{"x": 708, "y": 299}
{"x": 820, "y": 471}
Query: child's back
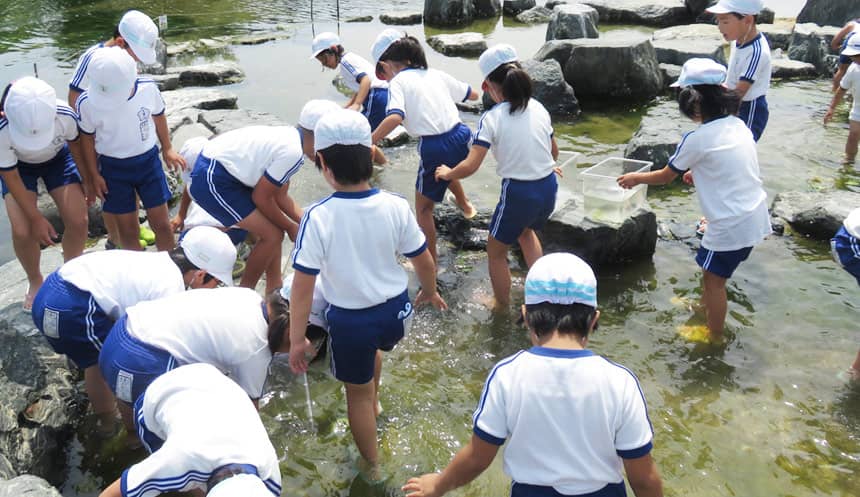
{"x": 425, "y": 99}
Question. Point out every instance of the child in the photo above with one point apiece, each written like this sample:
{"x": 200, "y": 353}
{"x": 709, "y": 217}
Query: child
{"x": 851, "y": 82}
{"x": 122, "y": 118}
{"x": 520, "y": 130}
{"x": 203, "y": 435}
{"x": 78, "y": 304}
{"x": 721, "y": 154}
{"x": 422, "y": 100}
{"x": 39, "y": 139}
{"x": 846, "y": 251}
{"x": 351, "y": 240}
{"x": 571, "y": 419}
{"x": 840, "y": 42}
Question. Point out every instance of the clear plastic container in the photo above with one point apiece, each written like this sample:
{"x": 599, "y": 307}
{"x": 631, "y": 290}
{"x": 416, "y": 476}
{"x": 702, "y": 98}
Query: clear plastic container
{"x": 605, "y": 201}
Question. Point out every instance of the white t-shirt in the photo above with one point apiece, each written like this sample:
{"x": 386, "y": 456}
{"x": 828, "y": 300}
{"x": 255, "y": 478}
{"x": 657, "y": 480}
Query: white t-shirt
{"x": 852, "y": 223}
{"x": 425, "y": 99}
{"x": 352, "y": 241}
{"x": 119, "y": 279}
{"x": 722, "y": 155}
{"x": 224, "y": 327}
{"x": 319, "y": 304}
{"x": 520, "y": 142}
{"x": 80, "y": 80}
{"x": 851, "y": 82}
{"x": 65, "y": 130}
{"x": 750, "y": 62}
{"x": 568, "y": 416}
{"x": 253, "y": 152}
{"x": 127, "y": 130}
{"x": 353, "y": 67}
{"x": 206, "y": 422}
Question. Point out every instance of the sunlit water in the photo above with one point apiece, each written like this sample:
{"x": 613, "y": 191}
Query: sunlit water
{"x": 764, "y": 414}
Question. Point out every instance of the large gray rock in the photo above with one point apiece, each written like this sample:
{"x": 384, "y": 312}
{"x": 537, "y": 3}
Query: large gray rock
{"x": 696, "y": 7}
{"x": 514, "y": 7}
{"x": 815, "y": 214}
{"x": 829, "y": 12}
{"x": 448, "y": 12}
{"x": 783, "y": 68}
{"x": 572, "y": 21}
{"x": 27, "y": 486}
{"x": 216, "y": 73}
{"x": 658, "y": 135}
{"x": 550, "y": 88}
{"x": 220, "y": 121}
{"x": 557, "y": 50}
{"x": 198, "y": 98}
{"x": 46, "y": 205}
{"x": 181, "y": 117}
{"x": 550, "y": 4}
{"x": 160, "y": 64}
{"x": 670, "y": 73}
{"x": 459, "y": 44}
{"x": 534, "y": 15}
{"x": 401, "y": 18}
{"x": 778, "y": 36}
{"x": 649, "y": 12}
{"x": 487, "y": 9}
{"x": 165, "y": 82}
{"x": 811, "y": 43}
{"x": 678, "y": 44}
{"x": 622, "y": 67}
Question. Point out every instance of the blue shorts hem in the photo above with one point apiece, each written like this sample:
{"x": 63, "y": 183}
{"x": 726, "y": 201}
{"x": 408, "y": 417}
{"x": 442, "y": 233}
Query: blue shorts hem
{"x": 722, "y": 264}
{"x": 220, "y": 194}
{"x": 128, "y": 178}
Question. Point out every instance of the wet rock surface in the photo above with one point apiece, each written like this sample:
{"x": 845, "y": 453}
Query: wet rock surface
{"x": 216, "y": 73}
{"x": 27, "y": 486}
{"x": 678, "y": 44}
{"x": 550, "y": 88}
{"x": 661, "y": 130}
{"x": 448, "y": 12}
{"x": 648, "y": 12}
{"x": 197, "y": 98}
{"x": 818, "y": 215}
{"x": 811, "y": 43}
{"x": 572, "y": 21}
{"x": 534, "y": 15}
{"x": 829, "y": 12}
{"x": 223, "y": 120}
{"x": 401, "y": 18}
{"x": 783, "y": 68}
{"x": 459, "y": 44}
{"x": 514, "y": 7}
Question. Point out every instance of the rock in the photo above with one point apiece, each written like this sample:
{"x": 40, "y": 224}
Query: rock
{"x": 550, "y": 88}
{"x": 198, "y": 98}
{"x": 621, "y": 67}
{"x": 571, "y": 22}
{"x": 569, "y": 230}
{"x": 210, "y": 44}
{"x": 165, "y": 82}
{"x": 46, "y": 205}
{"x": 398, "y": 136}
{"x": 221, "y": 120}
{"x": 778, "y": 36}
{"x": 783, "y": 68}
{"x": 401, "y": 18}
{"x": 459, "y": 44}
{"x": 27, "y": 486}
{"x": 448, "y": 12}
{"x": 534, "y": 15}
{"x": 7, "y": 472}
{"x": 648, "y": 12}
{"x": 472, "y": 106}
{"x": 670, "y": 73}
{"x": 360, "y": 19}
{"x": 188, "y": 131}
{"x": 514, "y": 7}
{"x": 811, "y": 43}
{"x": 175, "y": 119}
{"x": 487, "y": 9}
{"x": 550, "y": 4}
{"x": 815, "y": 214}
{"x": 557, "y": 50}
{"x": 678, "y": 44}
{"x": 696, "y": 7}
{"x": 829, "y": 12}
{"x": 464, "y": 234}
{"x": 217, "y": 73}
{"x": 256, "y": 39}
{"x": 659, "y": 133}
{"x": 160, "y": 64}
{"x": 175, "y": 49}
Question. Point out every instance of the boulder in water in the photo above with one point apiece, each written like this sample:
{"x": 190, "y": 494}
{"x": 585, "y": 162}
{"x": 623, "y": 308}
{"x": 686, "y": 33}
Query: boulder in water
{"x": 487, "y": 9}
{"x": 27, "y": 486}
{"x": 216, "y": 73}
{"x": 648, "y": 12}
{"x": 818, "y": 215}
{"x": 782, "y": 68}
{"x": 448, "y": 12}
{"x": 222, "y": 120}
{"x": 160, "y": 64}
{"x": 165, "y": 82}
{"x": 514, "y": 7}
{"x": 811, "y": 43}
{"x": 401, "y": 18}
{"x": 459, "y": 44}
{"x": 659, "y": 133}
{"x": 829, "y": 12}
{"x": 534, "y": 15}
{"x": 198, "y": 98}
{"x": 678, "y": 44}
{"x": 550, "y": 88}
{"x": 670, "y": 73}
{"x": 778, "y": 35}
{"x": 572, "y": 21}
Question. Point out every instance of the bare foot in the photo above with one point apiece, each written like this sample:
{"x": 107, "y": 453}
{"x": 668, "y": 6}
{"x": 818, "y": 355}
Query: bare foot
{"x": 700, "y": 334}
{"x": 29, "y": 296}
{"x": 469, "y": 210}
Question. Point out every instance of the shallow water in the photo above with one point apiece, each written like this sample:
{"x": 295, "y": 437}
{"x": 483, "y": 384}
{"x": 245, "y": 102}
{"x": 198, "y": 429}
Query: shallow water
{"x": 764, "y": 414}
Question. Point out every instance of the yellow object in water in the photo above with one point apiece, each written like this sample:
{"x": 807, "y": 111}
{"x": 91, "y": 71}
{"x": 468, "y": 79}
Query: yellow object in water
{"x": 695, "y": 333}
{"x": 147, "y": 236}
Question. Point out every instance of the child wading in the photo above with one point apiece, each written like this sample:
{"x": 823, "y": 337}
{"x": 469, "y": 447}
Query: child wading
{"x": 721, "y": 155}
{"x": 519, "y": 131}
{"x": 851, "y": 81}
{"x": 846, "y": 251}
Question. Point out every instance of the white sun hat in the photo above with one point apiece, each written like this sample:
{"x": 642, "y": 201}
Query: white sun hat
{"x": 701, "y": 71}
{"x": 141, "y": 34}
{"x": 314, "y": 110}
{"x": 31, "y": 109}
{"x": 495, "y": 56}
{"x": 112, "y": 74}
{"x": 743, "y": 7}
{"x": 383, "y": 41}
{"x": 343, "y": 127}
{"x": 561, "y": 278}
{"x": 323, "y": 41}
{"x": 211, "y": 250}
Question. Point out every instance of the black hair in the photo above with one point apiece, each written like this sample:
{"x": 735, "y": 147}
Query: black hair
{"x": 5, "y": 94}
{"x": 177, "y": 255}
{"x": 116, "y": 33}
{"x": 516, "y": 84}
{"x": 741, "y": 16}
{"x": 337, "y": 51}
{"x": 350, "y": 164}
{"x": 406, "y": 50}
{"x": 544, "y": 318}
{"x": 708, "y": 102}
{"x": 279, "y": 320}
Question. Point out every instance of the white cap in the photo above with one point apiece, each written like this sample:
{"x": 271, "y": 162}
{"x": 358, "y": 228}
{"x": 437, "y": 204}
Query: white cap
{"x": 314, "y": 110}
{"x": 743, "y": 7}
{"x": 141, "y": 34}
{"x": 853, "y": 47}
{"x": 561, "y": 278}
{"x": 383, "y": 41}
{"x": 287, "y": 287}
{"x": 31, "y": 107}
{"x": 323, "y": 41}
{"x": 211, "y": 250}
{"x": 495, "y": 56}
{"x": 243, "y": 485}
{"x": 698, "y": 71}
{"x": 344, "y": 127}
{"x": 190, "y": 151}
{"x": 112, "y": 74}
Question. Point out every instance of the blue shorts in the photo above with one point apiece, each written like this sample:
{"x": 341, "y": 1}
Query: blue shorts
{"x": 373, "y": 107}
{"x": 844, "y": 59}
{"x": 526, "y": 490}
{"x": 70, "y": 320}
{"x": 150, "y": 440}
{"x": 723, "y": 264}
{"x": 755, "y": 115}
{"x": 356, "y": 334}
{"x": 846, "y": 251}
{"x": 139, "y": 176}
{"x": 57, "y": 172}
{"x": 129, "y": 365}
{"x": 449, "y": 148}
{"x": 523, "y": 204}
{"x": 220, "y": 194}
{"x": 237, "y": 235}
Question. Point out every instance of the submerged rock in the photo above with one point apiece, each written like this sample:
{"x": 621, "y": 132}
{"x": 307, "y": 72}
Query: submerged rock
{"x": 811, "y": 43}
{"x": 514, "y": 7}
{"x": 462, "y": 44}
{"x": 550, "y": 4}
{"x": 256, "y": 38}
{"x": 448, "y": 12}
{"x": 217, "y": 73}
{"x": 572, "y": 21}
{"x": 534, "y": 15}
{"x": 198, "y": 98}
{"x": 783, "y": 68}
{"x": 222, "y": 120}
{"x": 165, "y": 82}
{"x": 829, "y": 12}
{"x": 557, "y": 50}
{"x": 401, "y": 18}
{"x": 649, "y": 12}
{"x": 678, "y": 44}
{"x": 550, "y": 88}
{"x": 360, "y": 19}
{"x": 487, "y": 9}
{"x": 464, "y": 234}
{"x": 818, "y": 215}
{"x": 659, "y": 133}
{"x": 27, "y": 486}
{"x": 778, "y": 36}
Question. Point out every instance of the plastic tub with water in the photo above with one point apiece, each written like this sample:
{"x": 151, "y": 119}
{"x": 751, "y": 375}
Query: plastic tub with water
{"x": 605, "y": 201}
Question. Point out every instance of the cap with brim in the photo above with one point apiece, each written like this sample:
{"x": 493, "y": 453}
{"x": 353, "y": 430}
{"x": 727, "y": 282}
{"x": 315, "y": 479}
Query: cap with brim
{"x": 383, "y": 41}
{"x": 31, "y": 109}
{"x": 211, "y": 250}
{"x": 853, "y": 47}
{"x": 244, "y": 485}
{"x": 112, "y": 74}
{"x": 190, "y": 151}
{"x": 561, "y": 278}
{"x": 314, "y": 110}
{"x": 743, "y": 7}
{"x": 141, "y": 34}
{"x": 323, "y": 41}
{"x": 343, "y": 127}
{"x": 700, "y": 71}
{"x": 494, "y": 57}
{"x": 287, "y": 287}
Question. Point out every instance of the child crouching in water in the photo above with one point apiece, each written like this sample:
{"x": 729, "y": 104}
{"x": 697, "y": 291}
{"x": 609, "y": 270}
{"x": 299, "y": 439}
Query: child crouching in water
{"x": 721, "y": 154}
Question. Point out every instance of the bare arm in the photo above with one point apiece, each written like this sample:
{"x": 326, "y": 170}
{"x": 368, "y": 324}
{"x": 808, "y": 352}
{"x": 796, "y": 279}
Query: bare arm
{"x": 469, "y": 462}
{"x": 643, "y": 476}
{"x": 359, "y": 97}
{"x": 73, "y": 97}
{"x": 385, "y": 127}
{"x": 425, "y": 268}
{"x": 265, "y": 198}
{"x": 301, "y": 297}
{"x": 473, "y": 95}
{"x": 554, "y": 148}
{"x": 466, "y": 167}
{"x": 289, "y": 207}
{"x": 836, "y": 44}
{"x": 837, "y": 99}
{"x": 178, "y": 221}
{"x": 661, "y": 177}
{"x": 113, "y": 490}
{"x": 171, "y": 157}
{"x": 96, "y": 187}
{"x": 742, "y": 88}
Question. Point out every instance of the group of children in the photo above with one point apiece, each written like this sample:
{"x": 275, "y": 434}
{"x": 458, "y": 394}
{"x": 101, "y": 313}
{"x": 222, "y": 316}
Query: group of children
{"x": 125, "y": 319}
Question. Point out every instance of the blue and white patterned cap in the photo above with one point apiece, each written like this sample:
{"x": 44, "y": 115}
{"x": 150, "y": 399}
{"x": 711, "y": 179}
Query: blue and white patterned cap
{"x": 561, "y": 278}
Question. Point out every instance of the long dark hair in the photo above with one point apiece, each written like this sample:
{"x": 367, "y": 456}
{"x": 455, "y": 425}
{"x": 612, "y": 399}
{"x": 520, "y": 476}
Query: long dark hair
{"x": 279, "y": 320}
{"x": 516, "y": 84}
{"x": 408, "y": 51}
{"x": 708, "y": 102}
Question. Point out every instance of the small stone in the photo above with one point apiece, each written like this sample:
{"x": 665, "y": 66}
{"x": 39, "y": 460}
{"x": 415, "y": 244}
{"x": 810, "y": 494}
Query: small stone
{"x": 462, "y": 44}
{"x": 218, "y": 73}
{"x": 401, "y": 18}
{"x": 398, "y": 136}
{"x": 198, "y": 98}
{"x": 792, "y": 69}
{"x": 360, "y": 19}
{"x": 534, "y": 15}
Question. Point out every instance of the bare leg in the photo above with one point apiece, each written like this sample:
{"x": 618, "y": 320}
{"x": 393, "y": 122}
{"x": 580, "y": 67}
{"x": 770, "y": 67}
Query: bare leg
{"x": 111, "y": 227}
{"x": 463, "y": 203}
{"x": 127, "y": 415}
{"x": 500, "y": 273}
{"x": 840, "y": 72}
{"x": 424, "y": 214}
{"x": 377, "y": 374}
{"x": 128, "y": 226}
{"x": 160, "y": 224}
{"x": 26, "y": 247}
{"x": 854, "y": 370}
{"x": 269, "y": 240}
{"x": 853, "y": 140}
{"x": 362, "y": 420}
{"x": 73, "y": 210}
{"x": 530, "y": 245}
{"x": 274, "y": 275}
{"x": 101, "y": 397}
{"x": 715, "y": 301}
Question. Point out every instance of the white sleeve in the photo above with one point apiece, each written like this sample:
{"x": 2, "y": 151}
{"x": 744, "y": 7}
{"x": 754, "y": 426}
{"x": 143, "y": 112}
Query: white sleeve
{"x": 163, "y": 471}
{"x": 352, "y": 66}
{"x": 685, "y": 155}
{"x": 80, "y": 81}
{"x": 850, "y": 77}
{"x": 396, "y": 99}
{"x": 633, "y": 434}
{"x": 286, "y": 162}
{"x": 486, "y": 132}
{"x": 458, "y": 90}
{"x": 748, "y": 63}
{"x": 86, "y": 122}
{"x": 490, "y": 424}
{"x": 8, "y": 158}
{"x": 251, "y": 374}
{"x": 156, "y": 101}
{"x": 68, "y": 123}
{"x": 412, "y": 239}
{"x": 308, "y": 252}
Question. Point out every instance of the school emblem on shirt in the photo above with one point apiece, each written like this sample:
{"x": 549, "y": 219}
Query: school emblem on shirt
{"x": 143, "y": 116}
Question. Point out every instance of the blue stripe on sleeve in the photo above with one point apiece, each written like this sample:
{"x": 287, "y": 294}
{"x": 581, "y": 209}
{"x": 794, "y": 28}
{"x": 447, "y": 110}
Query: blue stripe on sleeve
{"x": 416, "y": 253}
{"x": 468, "y": 92}
{"x": 306, "y": 270}
{"x": 481, "y": 143}
{"x": 751, "y": 70}
{"x": 395, "y": 111}
{"x": 359, "y": 76}
{"x": 272, "y": 180}
{"x": 635, "y": 453}
{"x": 293, "y": 170}
{"x": 487, "y": 437}
{"x": 678, "y": 151}
{"x": 483, "y": 401}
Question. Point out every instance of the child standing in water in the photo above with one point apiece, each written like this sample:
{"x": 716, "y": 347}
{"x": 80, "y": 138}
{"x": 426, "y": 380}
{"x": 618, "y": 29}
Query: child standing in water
{"x": 422, "y": 100}
{"x": 846, "y": 251}
{"x": 851, "y": 81}
{"x": 721, "y": 155}
{"x": 519, "y": 130}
